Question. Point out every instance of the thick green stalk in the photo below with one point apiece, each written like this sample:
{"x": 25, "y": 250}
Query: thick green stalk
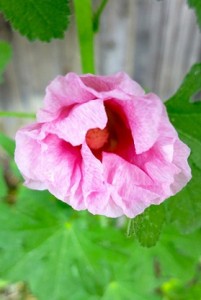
{"x": 84, "y": 22}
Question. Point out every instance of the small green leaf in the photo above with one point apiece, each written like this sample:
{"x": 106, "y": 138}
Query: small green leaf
{"x": 7, "y": 144}
{"x": 97, "y": 15}
{"x": 5, "y": 56}
{"x": 185, "y": 208}
{"x": 196, "y": 5}
{"x": 147, "y": 226}
{"x": 37, "y": 19}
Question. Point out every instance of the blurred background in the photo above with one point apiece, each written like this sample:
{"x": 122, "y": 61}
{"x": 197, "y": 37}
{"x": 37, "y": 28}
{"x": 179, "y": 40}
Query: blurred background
{"x": 155, "y": 42}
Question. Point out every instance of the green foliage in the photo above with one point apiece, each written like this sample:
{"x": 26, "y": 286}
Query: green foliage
{"x": 147, "y": 226}
{"x": 196, "y": 5}
{"x": 37, "y": 19}
{"x": 3, "y": 185}
{"x": 185, "y": 208}
{"x": 63, "y": 254}
{"x": 5, "y": 56}
{"x": 84, "y": 22}
{"x": 7, "y": 144}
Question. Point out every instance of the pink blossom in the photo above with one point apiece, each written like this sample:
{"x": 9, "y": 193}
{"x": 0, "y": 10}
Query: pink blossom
{"x": 100, "y": 143}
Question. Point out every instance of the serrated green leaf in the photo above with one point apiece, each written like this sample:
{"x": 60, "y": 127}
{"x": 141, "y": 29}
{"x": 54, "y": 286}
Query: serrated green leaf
{"x": 147, "y": 226}
{"x": 7, "y": 144}
{"x": 37, "y": 19}
{"x": 62, "y": 254}
{"x": 53, "y": 250}
{"x": 5, "y": 56}
{"x": 185, "y": 208}
{"x": 196, "y": 5}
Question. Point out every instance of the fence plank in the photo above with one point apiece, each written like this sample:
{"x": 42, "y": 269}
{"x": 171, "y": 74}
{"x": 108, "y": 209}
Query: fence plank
{"x": 156, "y": 42}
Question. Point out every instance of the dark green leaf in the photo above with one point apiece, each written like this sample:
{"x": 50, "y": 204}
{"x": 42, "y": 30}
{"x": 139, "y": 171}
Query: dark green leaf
{"x": 196, "y": 5}
{"x": 185, "y": 208}
{"x": 7, "y": 144}
{"x": 5, "y": 56}
{"x": 37, "y": 19}
{"x": 147, "y": 226}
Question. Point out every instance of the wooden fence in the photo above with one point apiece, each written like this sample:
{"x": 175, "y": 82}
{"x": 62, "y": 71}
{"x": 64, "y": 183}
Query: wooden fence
{"x": 156, "y": 42}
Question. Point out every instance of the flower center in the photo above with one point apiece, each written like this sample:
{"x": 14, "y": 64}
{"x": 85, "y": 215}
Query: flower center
{"x": 96, "y": 138}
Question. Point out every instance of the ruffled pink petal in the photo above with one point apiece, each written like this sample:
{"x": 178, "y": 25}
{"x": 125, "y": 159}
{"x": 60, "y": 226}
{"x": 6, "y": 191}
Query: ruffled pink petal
{"x": 62, "y": 93}
{"x": 181, "y": 154}
{"x": 80, "y": 119}
{"x": 112, "y": 86}
{"x": 96, "y": 191}
{"x": 49, "y": 163}
{"x": 131, "y": 183}
{"x": 61, "y": 167}
{"x": 28, "y": 156}
{"x": 143, "y": 115}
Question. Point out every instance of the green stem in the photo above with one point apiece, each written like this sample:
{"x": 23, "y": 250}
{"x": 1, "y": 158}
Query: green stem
{"x": 11, "y": 114}
{"x": 84, "y": 22}
{"x": 97, "y": 15}
{"x": 129, "y": 231}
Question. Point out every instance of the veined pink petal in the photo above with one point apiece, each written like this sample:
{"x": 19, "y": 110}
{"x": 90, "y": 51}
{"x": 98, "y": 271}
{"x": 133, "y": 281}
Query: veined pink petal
{"x": 95, "y": 189}
{"x": 118, "y": 85}
{"x": 143, "y": 115}
{"x": 63, "y": 92}
{"x": 79, "y": 120}
{"x": 132, "y": 184}
{"x": 28, "y": 154}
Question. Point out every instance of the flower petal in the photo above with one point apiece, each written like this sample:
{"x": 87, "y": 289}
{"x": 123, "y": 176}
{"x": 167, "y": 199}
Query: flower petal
{"x": 143, "y": 115}
{"x": 112, "y": 86}
{"x": 132, "y": 184}
{"x": 96, "y": 191}
{"x": 81, "y": 118}
{"x": 28, "y": 156}
{"x": 48, "y": 163}
{"x": 63, "y": 92}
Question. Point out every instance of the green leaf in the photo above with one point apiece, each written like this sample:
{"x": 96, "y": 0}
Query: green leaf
{"x": 3, "y": 185}
{"x": 97, "y": 15}
{"x": 147, "y": 226}
{"x": 7, "y": 144}
{"x": 53, "y": 249}
{"x": 5, "y": 56}
{"x": 196, "y": 5}
{"x": 185, "y": 208}
{"x": 84, "y": 22}
{"x": 37, "y": 19}
{"x": 62, "y": 254}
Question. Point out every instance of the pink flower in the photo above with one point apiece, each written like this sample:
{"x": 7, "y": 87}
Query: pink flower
{"x": 100, "y": 143}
